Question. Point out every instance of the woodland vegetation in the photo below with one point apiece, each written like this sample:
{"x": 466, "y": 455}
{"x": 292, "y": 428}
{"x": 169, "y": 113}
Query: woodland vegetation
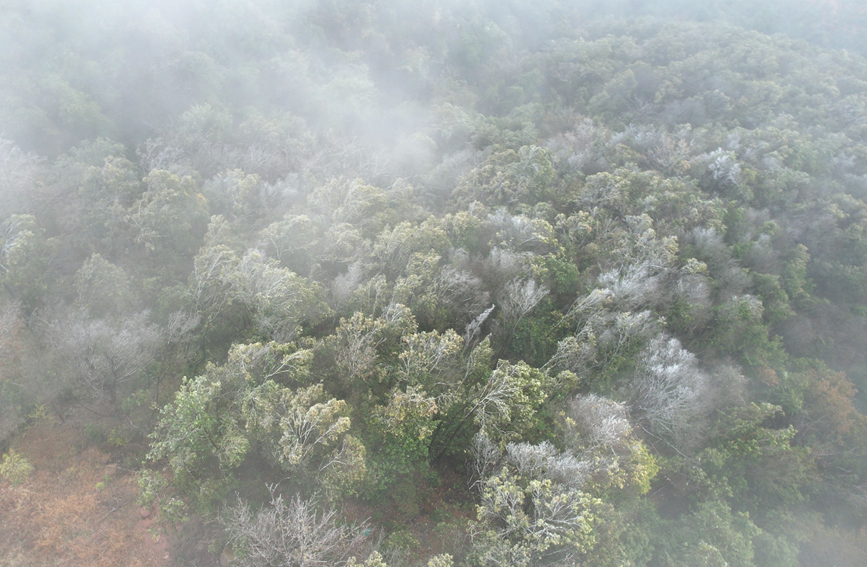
{"x": 440, "y": 283}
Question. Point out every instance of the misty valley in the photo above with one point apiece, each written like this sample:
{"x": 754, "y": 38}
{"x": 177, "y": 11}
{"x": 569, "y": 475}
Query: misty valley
{"x": 435, "y": 283}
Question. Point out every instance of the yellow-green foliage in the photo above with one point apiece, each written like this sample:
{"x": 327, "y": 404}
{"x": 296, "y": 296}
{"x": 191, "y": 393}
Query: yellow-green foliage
{"x": 375, "y": 560}
{"x": 39, "y": 415}
{"x": 444, "y": 560}
{"x": 15, "y": 468}
{"x": 643, "y": 467}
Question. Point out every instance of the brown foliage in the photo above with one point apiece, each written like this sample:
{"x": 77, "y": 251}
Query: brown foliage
{"x": 75, "y": 510}
{"x": 828, "y": 410}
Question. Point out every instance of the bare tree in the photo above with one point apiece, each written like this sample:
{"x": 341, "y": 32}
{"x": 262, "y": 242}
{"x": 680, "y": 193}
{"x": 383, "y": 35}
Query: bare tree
{"x": 104, "y": 354}
{"x": 603, "y": 337}
{"x": 669, "y": 392}
{"x": 474, "y": 327}
{"x": 486, "y": 454}
{"x": 520, "y": 233}
{"x": 520, "y": 297}
{"x": 496, "y": 399}
{"x": 277, "y": 299}
{"x": 458, "y": 290}
{"x": 544, "y": 461}
{"x": 344, "y": 284}
{"x": 290, "y": 533}
{"x": 595, "y": 421}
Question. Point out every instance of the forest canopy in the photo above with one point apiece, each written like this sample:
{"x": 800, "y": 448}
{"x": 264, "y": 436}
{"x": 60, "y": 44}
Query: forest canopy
{"x": 442, "y": 283}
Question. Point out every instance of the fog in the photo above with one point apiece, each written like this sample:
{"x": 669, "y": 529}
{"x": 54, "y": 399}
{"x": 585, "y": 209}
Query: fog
{"x": 435, "y": 283}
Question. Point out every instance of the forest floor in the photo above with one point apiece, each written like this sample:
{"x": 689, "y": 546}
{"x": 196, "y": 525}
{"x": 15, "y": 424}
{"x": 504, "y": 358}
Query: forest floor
{"x": 77, "y": 508}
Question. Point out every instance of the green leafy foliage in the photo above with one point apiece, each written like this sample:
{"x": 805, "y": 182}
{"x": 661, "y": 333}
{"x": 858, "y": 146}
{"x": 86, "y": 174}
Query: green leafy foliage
{"x": 528, "y": 522}
{"x": 15, "y": 468}
{"x": 218, "y": 418}
{"x": 609, "y": 272}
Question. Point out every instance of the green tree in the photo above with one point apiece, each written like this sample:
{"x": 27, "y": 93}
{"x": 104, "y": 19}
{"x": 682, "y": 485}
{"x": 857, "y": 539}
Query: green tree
{"x": 260, "y": 400}
{"x": 24, "y": 257}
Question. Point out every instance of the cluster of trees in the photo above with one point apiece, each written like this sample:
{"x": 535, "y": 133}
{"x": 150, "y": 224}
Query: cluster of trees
{"x": 612, "y": 274}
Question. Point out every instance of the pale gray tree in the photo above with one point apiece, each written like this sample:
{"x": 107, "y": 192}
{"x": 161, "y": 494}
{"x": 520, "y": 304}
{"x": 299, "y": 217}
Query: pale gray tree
{"x": 596, "y": 421}
{"x": 104, "y": 354}
{"x": 292, "y": 532}
{"x": 544, "y": 461}
{"x": 278, "y": 300}
{"x": 669, "y": 393}
{"x": 520, "y": 297}
{"x": 521, "y": 233}
{"x": 19, "y": 172}
{"x": 474, "y": 327}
